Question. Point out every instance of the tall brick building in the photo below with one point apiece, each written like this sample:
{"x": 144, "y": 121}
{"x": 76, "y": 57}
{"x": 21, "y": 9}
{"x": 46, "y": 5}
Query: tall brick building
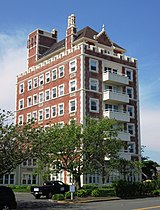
{"x": 86, "y": 73}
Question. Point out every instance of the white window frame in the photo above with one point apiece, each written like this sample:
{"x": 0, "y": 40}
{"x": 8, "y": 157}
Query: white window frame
{"x": 41, "y": 100}
{"x": 133, "y": 144}
{"x": 21, "y": 88}
{"x": 70, "y": 86}
{"x": 59, "y": 105}
{"x": 35, "y": 82}
{"x": 47, "y": 94}
{"x": 29, "y": 117}
{"x": 70, "y": 66}
{"x": 34, "y": 115}
{"x": 132, "y": 92}
{"x": 29, "y": 85}
{"x": 21, "y": 104}
{"x": 131, "y": 72}
{"x": 94, "y": 81}
{"x": 133, "y": 114}
{"x": 47, "y": 109}
{"x": 40, "y": 111}
{"x": 35, "y": 102}
{"x": 97, "y": 103}
{"x": 54, "y": 70}
{"x": 54, "y": 88}
{"x": 131, "y": 124}
{"x": 29, "y": 101}
{"x": 59, "y": 91}
{"x": 20, "y": 119}
{"x": 59, "y": 71}
{"x": 70, "y": 107}
{"x": 90, "y": 65}
{"x": 53, "y": 116}
{"x": 41, "y": 80}
{"x": 47, "y": 77}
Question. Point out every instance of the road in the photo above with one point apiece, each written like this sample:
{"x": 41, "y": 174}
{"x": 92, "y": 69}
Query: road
{"x": 26, "y": 201}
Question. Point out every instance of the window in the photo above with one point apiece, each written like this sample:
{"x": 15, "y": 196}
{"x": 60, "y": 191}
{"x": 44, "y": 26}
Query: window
{"x": 47, "y": 77}
{"x": 54, "y": 74}
{"x": 130, "y": 92}
{"x": 61, "y": 71}
{"x": 107, "y": 69}
{"x": 131, "y": 111}
{"x": 29, "y": 84}
{"x": 21, "y": 104}
{"x": 131, "y": 129}
{"x": 12, "y": 178}
{"x": 35, "y": 99}
{"x": 93, "y": 65}
{"x": 93, "y": 84}
{"x": 72, "y": 86}
{"x": 6, "y": 179}
{"x": 129, "y": 74}
{"x": 40, "y": 117}
{"x": 35, "y": 82}
{"x": 41, "y": 79}
{"x": 28, "y": 117}
{"x": 72, "y": 105}
{"x": 47, "y": 113}
{"x": 29, "y": 101}
{"x": 54, "y": 92}
{"x": 20, "y": 119}
{"x": 41, "y": 97}
{"x": 61, "y": 124}
{"x": 94, "y": 105}
{"x": 47, "y": 95}
{"x": 34, "y": 115}
{"x": 29, "y": 179}
{"x": 21, "y": 88}
{"x": 54, "y": 111}
{"x": 61, "y": 90}
{"x": 72, "y": 66}
{"x": 60, "y": 109}
{"x": 131, "y": 147}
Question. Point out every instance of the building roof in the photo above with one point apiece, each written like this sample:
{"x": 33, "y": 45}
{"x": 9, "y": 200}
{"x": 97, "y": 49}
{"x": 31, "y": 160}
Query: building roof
{"x": 86, "y": 32}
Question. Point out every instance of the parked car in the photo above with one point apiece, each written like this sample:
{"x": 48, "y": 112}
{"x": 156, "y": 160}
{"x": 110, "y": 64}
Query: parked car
{"x": 49, "y": 188}
{"x": 7, "y": 198}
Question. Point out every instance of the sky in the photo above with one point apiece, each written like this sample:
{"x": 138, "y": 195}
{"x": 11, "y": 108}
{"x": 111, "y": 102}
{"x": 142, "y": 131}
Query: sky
{"x": 134, "y": 25}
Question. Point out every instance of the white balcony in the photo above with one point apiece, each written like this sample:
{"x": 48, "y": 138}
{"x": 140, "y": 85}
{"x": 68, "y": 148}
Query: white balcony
{"x": 125, "y": 155}
{"x": 113, "y": 78}
{"x": 115, "y": 97}
{"x": 117, "y": 114}
{"x": 124, "y": 136}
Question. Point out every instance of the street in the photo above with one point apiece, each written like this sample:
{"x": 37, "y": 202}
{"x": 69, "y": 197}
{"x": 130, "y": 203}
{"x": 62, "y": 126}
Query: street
{"x": 27, "y": 201}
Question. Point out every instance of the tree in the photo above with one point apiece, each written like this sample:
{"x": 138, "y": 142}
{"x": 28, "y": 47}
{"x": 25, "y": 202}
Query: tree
{"x": 15, "y": 142}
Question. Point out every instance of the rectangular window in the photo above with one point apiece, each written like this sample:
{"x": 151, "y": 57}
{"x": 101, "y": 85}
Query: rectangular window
{"x": 21, "y": 88}
{"x": 41, "y": 79}
{"x": 72, "y": 66}
{"x": 54, "y": 111}
{"x": 12, "y": 178}
{"x": 40, "y": 117}
{"x": 131, "y": 147}
{"x": 28, "y": 117}
{"x": 93, "y": 65}
{"x": 35, "y": 82}
{"x": 93, "y": 84}
{"x": 47, "y": 95}
{"x": 131, "y": 111}
{"x": 6, "y": 179}
{"x": 35, "y": 99}
{"x": 54, "y": 74}
{"x": 129, "y": 74}
{"x": 61, "y": 71}
{"x": 29, "y": 101}
{"x": 47, "y": 77}
{"x": 72, "y": 86}
{"x": 131, "y": 129}
{"x": 94, "y": 105}
{"x": 72, "y": 105}
{"x": 20, "y": 119}
{"x": 60, "y": 109}
{"x": 21, "y": 104}
{"x": 34, "y": 115}
{"x": 47, "y": 113}
{"x": 61, "y": 90}
{"x": 54, "y": 92}
{"x": 29, "y": 84}
{"x": 130, "y": 92}
{"x": 41, "y": 97}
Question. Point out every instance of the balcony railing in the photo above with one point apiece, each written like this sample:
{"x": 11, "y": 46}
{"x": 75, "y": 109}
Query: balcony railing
{"x": 124, "y": 136}
{"x": 115, "y": 78}
{"x": 115, "y": 96}
{"x": 117, "y": 114}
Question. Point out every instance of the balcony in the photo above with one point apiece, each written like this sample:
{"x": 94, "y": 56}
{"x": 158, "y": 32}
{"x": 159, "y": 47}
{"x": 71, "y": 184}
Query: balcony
{"x": 117, "y": 114}
{"x": 115, "y": 97}
{"x": 125, "y": 155}
{"x": 115, "y": 78}
{"x": 124, "y": 136}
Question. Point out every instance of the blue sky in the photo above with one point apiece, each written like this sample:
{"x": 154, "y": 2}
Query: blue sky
{"x": 133, "y": 25}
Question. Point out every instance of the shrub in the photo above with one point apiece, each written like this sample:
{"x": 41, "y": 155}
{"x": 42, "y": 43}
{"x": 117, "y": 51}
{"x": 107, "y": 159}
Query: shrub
{"x": 20, "y": 188}
{"x": 81, "y": 193}
{"x": 68, "y": 194}
{"x": 89, "y": 188}
{"x": 156, "y": 193}
{"x": 95, "y": 193}
{"x": 58, "y": 197}
{"x": 103, "y": 192}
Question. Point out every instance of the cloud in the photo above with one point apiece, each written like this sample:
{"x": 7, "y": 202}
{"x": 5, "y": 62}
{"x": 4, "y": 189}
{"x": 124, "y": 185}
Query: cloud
{"x": 13, "y": 60}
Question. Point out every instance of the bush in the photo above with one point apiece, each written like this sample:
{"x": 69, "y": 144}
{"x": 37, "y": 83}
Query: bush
{"x": 58, "y": 197}
{"x": 89, "y": 188}
{"x": 95, "y": 193}
{"x": 20, "y": 188}
{"x": 103, "y": 192}
{"x": 81, "y": 193}
{"x": 68, "y": 194}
